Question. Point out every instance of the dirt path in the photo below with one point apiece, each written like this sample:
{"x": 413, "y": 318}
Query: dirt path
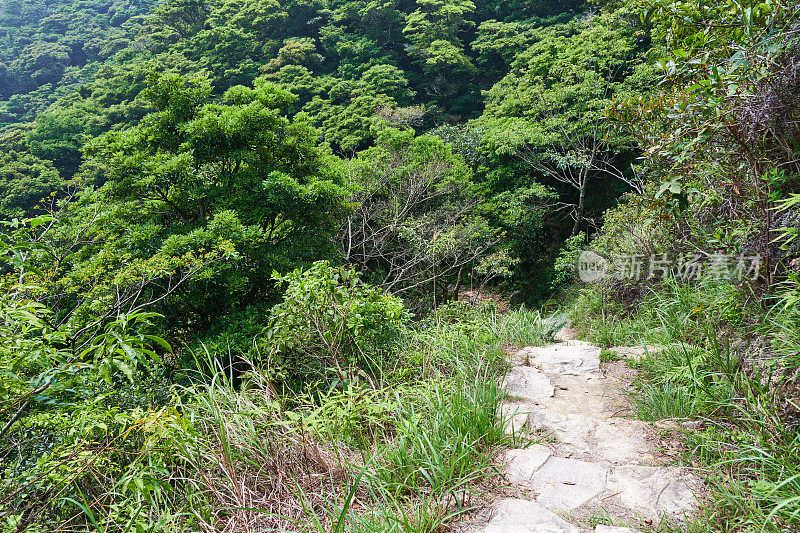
{"x": 592, "y": 464}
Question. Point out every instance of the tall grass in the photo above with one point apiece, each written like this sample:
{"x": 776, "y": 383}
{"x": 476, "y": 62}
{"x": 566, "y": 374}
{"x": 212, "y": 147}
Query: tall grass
{"x": 523, "y": 327}
{"x": 395, "y": 452}
{"x": 442, "y": 435}
{"x": 399, "y": 448}
{"x": 729, "y": 398}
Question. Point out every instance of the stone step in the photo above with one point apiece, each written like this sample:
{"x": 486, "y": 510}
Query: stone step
{"x": 568, "y": 484}
{"x": 523, "y": 516}
{"x": 561, "y": 359}
{"x": 528, "y": 384}
{"x": 590, "y": 457}
{"x": 653, "y": 491}
{"x": 593, "y": 395}
{"x": 514, "y": 515}
{"x": 569, "y": 434}
{"x": 610, "y": 440}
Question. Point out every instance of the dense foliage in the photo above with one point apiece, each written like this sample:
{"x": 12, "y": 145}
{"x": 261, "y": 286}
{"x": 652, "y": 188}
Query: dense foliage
{"x": 719, "y": 139}
{"x": 50, "y": 49}
{"x": 225, "y": 219}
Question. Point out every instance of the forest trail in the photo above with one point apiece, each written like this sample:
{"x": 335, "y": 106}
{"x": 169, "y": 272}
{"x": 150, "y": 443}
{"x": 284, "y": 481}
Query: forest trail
{"x": 591, "y": 463}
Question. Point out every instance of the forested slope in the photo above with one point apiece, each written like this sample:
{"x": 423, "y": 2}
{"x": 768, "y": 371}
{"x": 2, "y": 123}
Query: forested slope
{"x": 49, "y": 49}
{"x": 258, "y": 220}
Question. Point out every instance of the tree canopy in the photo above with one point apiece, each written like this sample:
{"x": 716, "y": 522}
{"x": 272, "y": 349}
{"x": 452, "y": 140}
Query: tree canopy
{"x": 294, "y": 195}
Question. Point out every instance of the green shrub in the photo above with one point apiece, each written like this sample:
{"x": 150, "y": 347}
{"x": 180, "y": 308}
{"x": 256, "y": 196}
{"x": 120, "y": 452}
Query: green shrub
{"x": 640, "y": 224}
{"x": 564, "y": 269}
{"x": 329, "y": 320}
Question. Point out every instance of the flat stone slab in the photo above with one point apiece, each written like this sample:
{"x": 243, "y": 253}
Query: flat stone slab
{"x": 566, "y": 484}
{"x": 611, "y": 440}
{"x": 528, "y": 383}
{"x": 613, "y": 529}
{"x": 571, "y": 432}
{"x": 563, "y": 359}
{"x": 523, "y": 516}
{"x": 620, "y": 440}
{"x": 522, "y": 464}
{"x": 653, "y": 491}
{"x": 585, "y": 395}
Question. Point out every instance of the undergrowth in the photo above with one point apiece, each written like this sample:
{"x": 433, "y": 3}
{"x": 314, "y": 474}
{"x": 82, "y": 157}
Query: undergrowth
{"x": 392, "y": 450}
{"x": 722, "y": 373}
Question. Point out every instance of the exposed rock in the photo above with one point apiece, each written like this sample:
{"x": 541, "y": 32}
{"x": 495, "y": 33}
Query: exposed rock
{"x": 566, "y": 484}
{"x": 653, "y": 491}
{"x": 523, "y": 516}
{"x": 621, "y": 441}
{"x": 566, "y": 359}
{"x": 522, "y": 464}
{"x": 571, "y": 432}
{"x": 528, "y": 383}
{"x": 585, "y": 395}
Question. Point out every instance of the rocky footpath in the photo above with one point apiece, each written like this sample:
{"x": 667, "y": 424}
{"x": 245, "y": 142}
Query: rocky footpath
{"x": 589, "y": 462}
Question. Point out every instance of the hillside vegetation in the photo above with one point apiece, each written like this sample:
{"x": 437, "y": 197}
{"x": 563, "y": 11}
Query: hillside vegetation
{"x": 241, "y": 242}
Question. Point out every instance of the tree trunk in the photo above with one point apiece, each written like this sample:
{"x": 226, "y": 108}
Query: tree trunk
{"x": 458, "y": 283}
{"x": 581, "y": 207}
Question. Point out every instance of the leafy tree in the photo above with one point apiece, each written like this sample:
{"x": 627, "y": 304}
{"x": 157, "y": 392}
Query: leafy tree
{"x": 527, "y": 9}
{"x": 228, "y": 52}
{"x": 40, "y": 63}
{"x": 434, "y": 30}
{"x": 348, "y": 113}
{"x": 25, "y": 181}
{"x": 528, "y": 215}
{"x": 294, "y": 52}
{"x": 235, "y": 172}
{"x": 58, "y": 136}
{"x": 417, "y": 227}
{"x": 550, "y": 110}
{"x": 718, "y": 131}
{"x": 55, "y": 45}
{"x": 7, "y": 81}
{"x": 438, "y": 20}
{"x": 501, "y": 42}
{"x": 264, "y": 18}
{"x": 52, "y": 374}
{"x": 184, "y": 17}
